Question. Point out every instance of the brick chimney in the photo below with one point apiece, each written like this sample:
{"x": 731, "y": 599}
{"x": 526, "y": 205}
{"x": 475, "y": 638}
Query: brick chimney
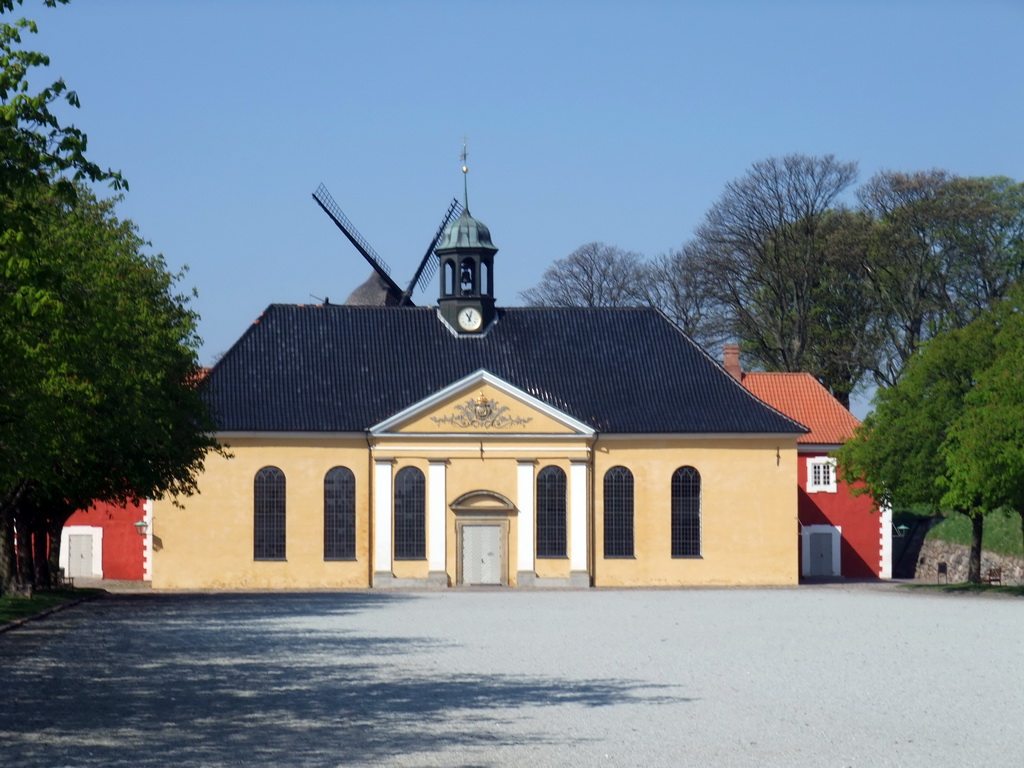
{"x": 731, "y": 360}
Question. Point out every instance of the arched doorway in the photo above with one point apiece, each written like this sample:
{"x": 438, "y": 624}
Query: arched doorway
{"x": 482, "y": 522}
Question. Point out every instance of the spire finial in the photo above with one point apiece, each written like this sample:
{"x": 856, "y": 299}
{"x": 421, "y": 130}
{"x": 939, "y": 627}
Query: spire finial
{"x": 465, "y": 173}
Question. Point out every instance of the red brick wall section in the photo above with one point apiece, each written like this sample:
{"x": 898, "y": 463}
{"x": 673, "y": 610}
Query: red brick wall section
{"x": 860, "y": 548}
{"x": 122, "y": 545}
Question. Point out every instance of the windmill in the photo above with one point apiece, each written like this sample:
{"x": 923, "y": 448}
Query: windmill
{"x": 381, "y": 288}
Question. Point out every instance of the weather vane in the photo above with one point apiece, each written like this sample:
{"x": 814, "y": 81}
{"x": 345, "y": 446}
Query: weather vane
{"x": 465, "y": 173}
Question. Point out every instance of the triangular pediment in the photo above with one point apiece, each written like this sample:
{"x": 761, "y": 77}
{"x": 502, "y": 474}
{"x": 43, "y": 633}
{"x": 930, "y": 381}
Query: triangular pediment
{"x": 481, "y": 403}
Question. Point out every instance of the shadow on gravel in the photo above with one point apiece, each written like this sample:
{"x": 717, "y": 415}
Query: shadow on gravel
{"x": 154, "y": 680}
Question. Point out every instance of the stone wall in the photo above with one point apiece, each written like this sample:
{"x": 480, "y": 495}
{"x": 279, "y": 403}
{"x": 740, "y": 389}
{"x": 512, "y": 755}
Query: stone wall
{"x": 956, "y": 558}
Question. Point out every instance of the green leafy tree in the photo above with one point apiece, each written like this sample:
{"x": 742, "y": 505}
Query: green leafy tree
{"x": 33, "y": 143}
{"x": 109, "y": 407}
{"x": 899, "y": 453}
{"x": 35, "y": 151}
{"x": 38, "y": 158}
{"x": 98, "y": 395}
{"x": 984, "y": 448}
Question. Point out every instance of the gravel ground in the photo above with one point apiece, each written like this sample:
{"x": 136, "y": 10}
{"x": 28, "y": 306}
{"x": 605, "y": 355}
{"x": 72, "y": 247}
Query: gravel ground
{"x": 810, "y": 676}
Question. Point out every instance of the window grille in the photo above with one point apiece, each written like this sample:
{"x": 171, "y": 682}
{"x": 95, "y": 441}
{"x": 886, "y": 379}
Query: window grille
{"x": 686, "y": 513}
{"x": 269, "y": 514}
{"x": 551, "y": 490}
{"x": 410, "y": 514}
{"x": 339, "y": 514}
{"x": 618, "y": 512}
{"x": 822, "y": 474}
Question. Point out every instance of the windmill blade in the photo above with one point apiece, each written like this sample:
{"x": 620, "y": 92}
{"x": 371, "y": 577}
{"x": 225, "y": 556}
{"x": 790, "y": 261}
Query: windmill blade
{"x": 428, "y": 265}
{"x": 331, "y": 208}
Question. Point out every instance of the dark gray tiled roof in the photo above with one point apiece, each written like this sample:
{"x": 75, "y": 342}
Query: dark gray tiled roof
{"x": 344, "y": 368}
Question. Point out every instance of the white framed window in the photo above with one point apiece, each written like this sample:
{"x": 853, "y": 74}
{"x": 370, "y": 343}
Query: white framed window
{"x": 821, "y": 475}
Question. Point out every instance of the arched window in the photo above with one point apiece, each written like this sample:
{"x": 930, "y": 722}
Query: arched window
{"x": 268, "y": 517}
{"x": 410, "y": 514}
{"x": 551, "y": 512}
{"x": 686, "y": 512}
{"x": 618, "y": 512}
{"x": 448, "y": 277}
{"x": 339, "y": 514}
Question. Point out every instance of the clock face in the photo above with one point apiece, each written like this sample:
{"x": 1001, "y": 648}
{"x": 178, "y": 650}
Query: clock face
{"x": 469, "y": 319}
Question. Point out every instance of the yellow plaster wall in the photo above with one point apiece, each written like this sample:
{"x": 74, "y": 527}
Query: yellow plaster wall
{"x": 209, "y": 543}
{"x": 748, "y": 494}
{"x": 749, "y": 511}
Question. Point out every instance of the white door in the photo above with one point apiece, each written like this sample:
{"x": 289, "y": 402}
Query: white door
{"x": 80, "y": 555}
{"x": 481, "y": 554}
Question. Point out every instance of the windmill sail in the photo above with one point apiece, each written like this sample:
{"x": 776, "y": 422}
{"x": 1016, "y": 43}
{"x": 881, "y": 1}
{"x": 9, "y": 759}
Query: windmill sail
{"x": 428, "y": 265}
{"x": 332, "y": 209}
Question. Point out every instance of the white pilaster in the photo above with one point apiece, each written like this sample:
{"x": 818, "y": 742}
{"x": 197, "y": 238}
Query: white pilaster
{"x": 437, "y": 508}
{"x": 147, "y": 542}
{"x": 578, "y": 516}
{"x": 382, "y": 528}
{"x": 527, "y": 520}
{"x": 885, "y": 524}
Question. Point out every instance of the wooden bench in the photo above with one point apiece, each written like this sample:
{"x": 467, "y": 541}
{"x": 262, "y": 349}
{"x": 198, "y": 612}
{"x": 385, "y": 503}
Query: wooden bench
{"x": 993, "y": 576}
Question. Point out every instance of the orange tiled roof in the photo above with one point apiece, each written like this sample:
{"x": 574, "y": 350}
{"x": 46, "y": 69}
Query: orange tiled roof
{"x": 802, "y": 397}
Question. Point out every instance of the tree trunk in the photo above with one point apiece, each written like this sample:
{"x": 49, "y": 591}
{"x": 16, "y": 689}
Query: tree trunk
{"x": 8, "y": 504}
{"x": 40, "y": 556}
{"x": 54, "y": 527}
{"x": 6, "y": 552}
{"x": 23, "y": 539}
{"x": 974, "y": 565}
{"x": 1021, "y": 513}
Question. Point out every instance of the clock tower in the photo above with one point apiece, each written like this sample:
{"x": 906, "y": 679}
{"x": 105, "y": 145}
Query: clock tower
{"x": 467, "y": 273}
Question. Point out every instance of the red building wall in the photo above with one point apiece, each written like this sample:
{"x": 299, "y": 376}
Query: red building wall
{"x": 861, "y": 543}
{"x": 123, "y": 547}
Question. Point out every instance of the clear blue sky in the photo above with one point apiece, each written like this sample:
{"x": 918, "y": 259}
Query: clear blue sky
{"x": 587, "y": 120}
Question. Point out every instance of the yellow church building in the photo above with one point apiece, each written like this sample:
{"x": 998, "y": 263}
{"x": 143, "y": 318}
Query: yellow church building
{"x": 469, "y": 444}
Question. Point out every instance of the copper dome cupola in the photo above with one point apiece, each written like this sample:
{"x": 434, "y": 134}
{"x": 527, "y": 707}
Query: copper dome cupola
{"x": 466, "y": 232}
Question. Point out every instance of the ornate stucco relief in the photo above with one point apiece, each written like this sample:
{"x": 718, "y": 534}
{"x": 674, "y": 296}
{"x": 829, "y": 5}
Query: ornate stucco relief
{"x": 481, "y": 413}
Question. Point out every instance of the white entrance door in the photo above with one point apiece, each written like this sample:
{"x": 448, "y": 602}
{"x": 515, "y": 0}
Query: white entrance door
{"x": 481, "y": 554}
{"x": 80, "y": 555}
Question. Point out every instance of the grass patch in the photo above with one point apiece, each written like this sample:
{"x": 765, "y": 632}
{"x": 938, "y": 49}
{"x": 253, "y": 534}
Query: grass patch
{"x": 13, "y": 608}
{"x": 1001, "y": 533}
